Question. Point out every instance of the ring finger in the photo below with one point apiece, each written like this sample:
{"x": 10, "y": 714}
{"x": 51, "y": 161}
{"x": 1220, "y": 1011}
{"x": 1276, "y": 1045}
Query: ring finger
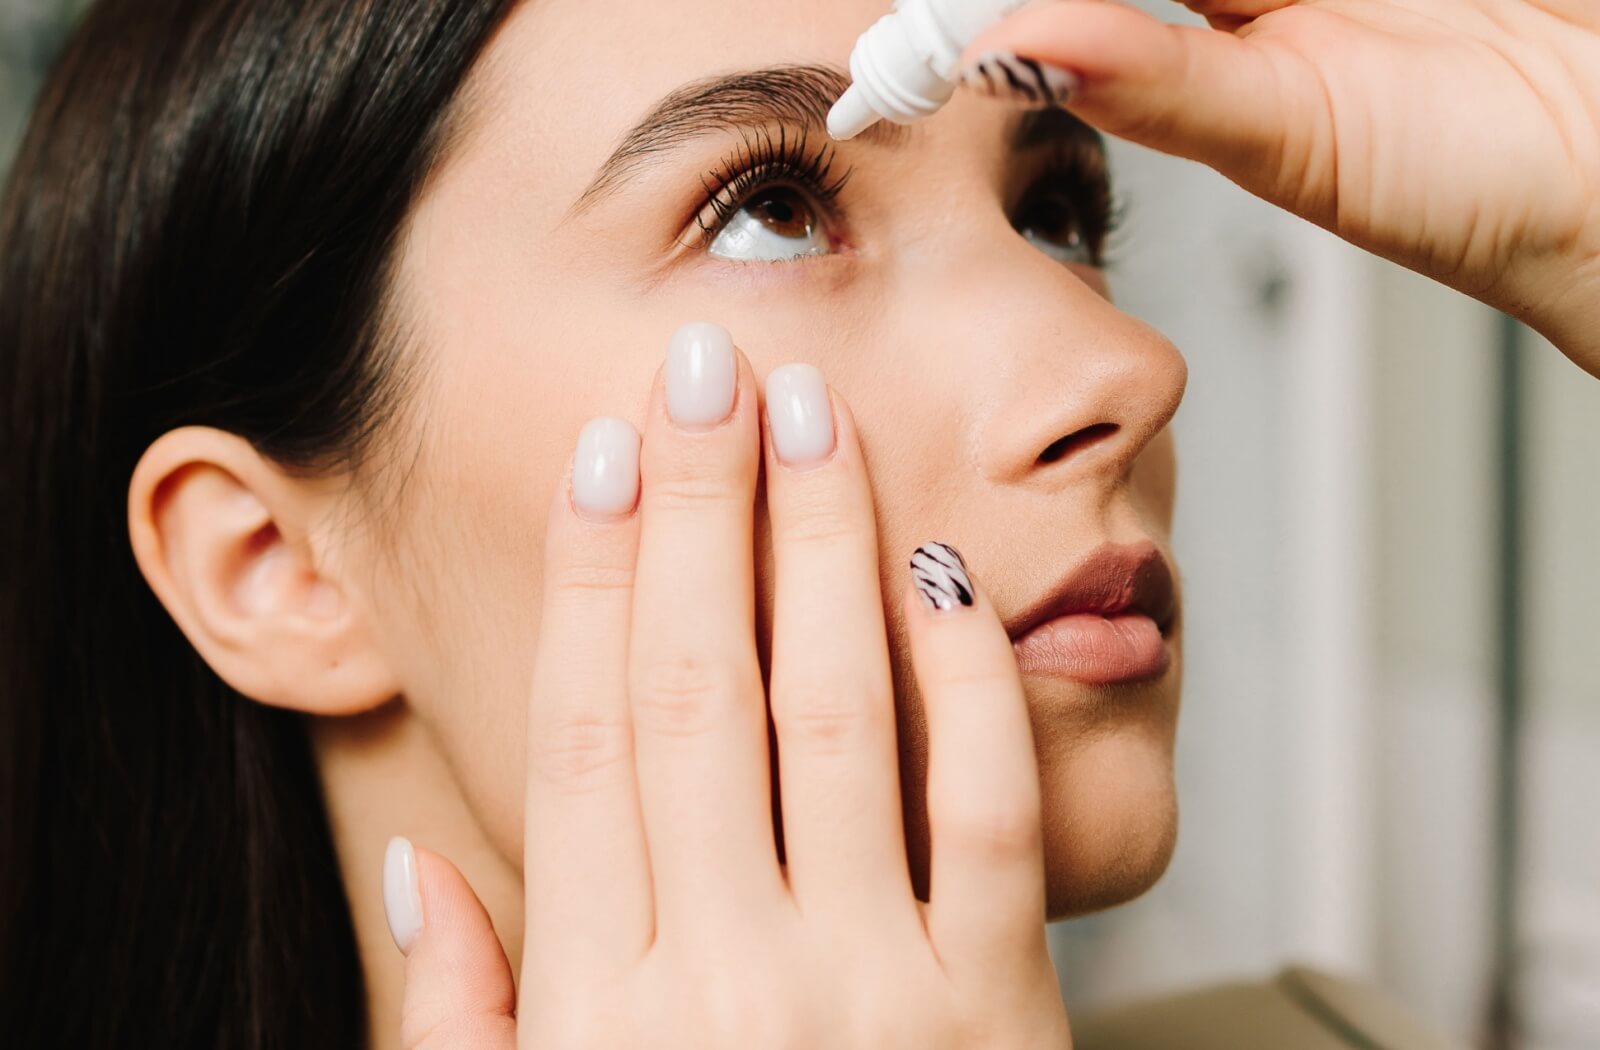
{"x": 832, "y": 694}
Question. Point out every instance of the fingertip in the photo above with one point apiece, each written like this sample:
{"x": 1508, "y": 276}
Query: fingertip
{"x": 458, "y": 980}
{"x": 844, "y": 420}
{"x": 941, "y": 579}
{"x": 1186, "y": 90}
{"x": 438, "y": 881}
{"x": 1072, "y": 34}
{"x": 800, "y": 418}
{"x": 447, "y": 899}
{"x": 402, "y": 899}
{"x": 604, "y": 479}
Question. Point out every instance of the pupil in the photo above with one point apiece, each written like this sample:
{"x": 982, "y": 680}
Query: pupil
{"x": 1055, "y": 219}
{"x": 783, "y": 215}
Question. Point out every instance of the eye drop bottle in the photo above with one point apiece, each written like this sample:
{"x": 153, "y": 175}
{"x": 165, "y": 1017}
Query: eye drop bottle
{"x": 905, "y": 66}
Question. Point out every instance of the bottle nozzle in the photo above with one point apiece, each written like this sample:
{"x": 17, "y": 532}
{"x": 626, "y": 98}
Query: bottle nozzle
{"x": 851, "y": 115}
{"x": 904, "y": 66}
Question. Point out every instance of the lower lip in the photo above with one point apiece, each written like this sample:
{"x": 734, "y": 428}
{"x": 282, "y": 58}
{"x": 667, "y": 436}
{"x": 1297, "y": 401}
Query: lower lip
{"x": 1095, "y": 650}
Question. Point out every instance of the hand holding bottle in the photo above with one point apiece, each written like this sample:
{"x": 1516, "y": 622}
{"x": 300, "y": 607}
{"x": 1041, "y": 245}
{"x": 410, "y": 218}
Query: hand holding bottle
{"x": 1461, "y": 140}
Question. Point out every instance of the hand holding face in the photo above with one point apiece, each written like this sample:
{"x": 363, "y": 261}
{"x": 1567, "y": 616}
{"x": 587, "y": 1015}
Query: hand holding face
{"x": 657, "y": 912}
{"x": 1461, "y": 140}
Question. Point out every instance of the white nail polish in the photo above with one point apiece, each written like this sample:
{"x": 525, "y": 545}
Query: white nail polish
{"x": 605, "y": 470}
{"x": 701, "y": 375}
{"x": 402, "y": 900}
{"x": 799, "y": 415}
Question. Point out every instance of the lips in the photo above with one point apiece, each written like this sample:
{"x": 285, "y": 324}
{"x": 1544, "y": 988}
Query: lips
{"x": 1106, "y": 622}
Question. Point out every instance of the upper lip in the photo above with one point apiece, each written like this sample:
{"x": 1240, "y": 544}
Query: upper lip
{"x": 1132, "y": 578}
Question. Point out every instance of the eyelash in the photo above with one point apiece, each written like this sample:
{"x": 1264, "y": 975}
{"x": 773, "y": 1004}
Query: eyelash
{"x": 762, "y": 160}
{"x": 765, "y": 159}
{"x": 1080, "y": 168}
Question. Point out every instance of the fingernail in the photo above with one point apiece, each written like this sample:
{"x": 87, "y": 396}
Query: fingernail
{"x": 605, "y": 469}
{"x": 1022, "y": 81}
{"x": 941, "y": 576}
{"x": 701, "y": 375}
{"x": 799, "y": 415}
{"x": 402, "y": 900}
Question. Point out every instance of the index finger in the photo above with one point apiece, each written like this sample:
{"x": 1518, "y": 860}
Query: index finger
{"x": 585, "y": 869}
{"x": 1192, "y": 92}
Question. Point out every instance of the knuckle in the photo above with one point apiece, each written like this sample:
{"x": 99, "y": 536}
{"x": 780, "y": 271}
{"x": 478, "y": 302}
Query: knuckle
{"x": 967, "y": 684}
{"x": 823, "y": 719}
{"x": 558, "y": 1025}
{"x": 822, "y": 525}
{"x": 591, "y": 578}
{"x": 735, "y": 1007}
{"x": 683, "y": 695}
{"x": 824, "y": 505}
{"x": 699, "y": 493}
{"x": 576, "y": 749}
{"x": 988, "y": 827}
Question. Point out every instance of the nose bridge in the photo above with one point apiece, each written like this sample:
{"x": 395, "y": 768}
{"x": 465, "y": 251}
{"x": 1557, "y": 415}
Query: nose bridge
{"x": 1069, "y": 383}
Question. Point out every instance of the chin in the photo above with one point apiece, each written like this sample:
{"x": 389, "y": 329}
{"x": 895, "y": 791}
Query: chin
{"x": 1109, "y": 803}
{"x": 1110, "y": 821}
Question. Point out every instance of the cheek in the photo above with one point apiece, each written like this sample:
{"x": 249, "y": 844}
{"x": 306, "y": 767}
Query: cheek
{"x": 1155, "y": 481}
{"x": 460, "y": 594}
{"x": 462, "y": 618}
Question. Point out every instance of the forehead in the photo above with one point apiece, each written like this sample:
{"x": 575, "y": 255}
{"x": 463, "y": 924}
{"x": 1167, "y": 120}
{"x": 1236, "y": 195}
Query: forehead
{"x": 574, "y": 75}
{"x": 638, "y": 49}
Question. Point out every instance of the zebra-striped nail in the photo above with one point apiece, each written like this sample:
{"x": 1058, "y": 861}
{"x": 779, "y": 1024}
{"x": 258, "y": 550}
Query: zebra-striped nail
{"x": 1022, "y": 81}
{"x": 941, "y": 576}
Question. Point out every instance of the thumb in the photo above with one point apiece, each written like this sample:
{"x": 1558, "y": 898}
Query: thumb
{"x": 459, "y": 994}
{"x": 1198, "y": 93}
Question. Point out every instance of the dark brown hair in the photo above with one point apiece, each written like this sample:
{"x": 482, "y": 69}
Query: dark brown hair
{"x": 199, "y": 229}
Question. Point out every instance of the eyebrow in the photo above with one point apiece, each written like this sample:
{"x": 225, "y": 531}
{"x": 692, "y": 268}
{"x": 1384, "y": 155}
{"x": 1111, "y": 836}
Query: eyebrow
{"x": 794, "y": 95}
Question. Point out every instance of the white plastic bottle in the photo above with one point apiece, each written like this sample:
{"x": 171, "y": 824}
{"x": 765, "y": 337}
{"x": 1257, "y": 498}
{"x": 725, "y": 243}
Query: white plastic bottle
{"x": 906, "y": 65}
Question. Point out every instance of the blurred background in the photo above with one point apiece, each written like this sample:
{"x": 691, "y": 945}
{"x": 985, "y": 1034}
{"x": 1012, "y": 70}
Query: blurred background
{"x": 1389, "y": 532}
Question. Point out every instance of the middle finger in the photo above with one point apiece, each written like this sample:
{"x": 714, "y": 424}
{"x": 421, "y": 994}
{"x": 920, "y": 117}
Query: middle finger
{"x": 694, "y": 678}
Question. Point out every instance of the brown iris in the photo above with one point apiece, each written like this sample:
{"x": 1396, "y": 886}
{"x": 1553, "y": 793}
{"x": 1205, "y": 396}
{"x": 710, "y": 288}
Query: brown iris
{"x": 784, "y": 211}
{"x": 1050, "y": 216}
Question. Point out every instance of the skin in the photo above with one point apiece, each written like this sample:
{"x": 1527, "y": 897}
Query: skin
{"x": 510, "y": 299}
{"x": 1459, "y": 139}
{"x": 408, "y": 614}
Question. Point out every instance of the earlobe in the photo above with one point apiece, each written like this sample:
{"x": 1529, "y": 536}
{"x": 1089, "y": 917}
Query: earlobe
{"x": 222, "y": 536}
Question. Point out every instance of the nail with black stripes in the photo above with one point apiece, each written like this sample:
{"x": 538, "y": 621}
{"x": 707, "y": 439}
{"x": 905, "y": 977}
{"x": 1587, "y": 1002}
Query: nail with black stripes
{"x": 941, "y": 577}
{"x": 1021, "y": 81}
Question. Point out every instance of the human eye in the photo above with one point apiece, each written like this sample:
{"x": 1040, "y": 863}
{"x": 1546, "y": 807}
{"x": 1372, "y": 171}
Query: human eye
{"x": 773, "y": 201}
{"x": 1069, "y": 215}
{"x": 1049, "y": 220}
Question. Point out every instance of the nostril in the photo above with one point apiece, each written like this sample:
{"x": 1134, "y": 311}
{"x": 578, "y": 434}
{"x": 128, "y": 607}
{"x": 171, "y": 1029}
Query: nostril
{"x": 1077, "y": 441}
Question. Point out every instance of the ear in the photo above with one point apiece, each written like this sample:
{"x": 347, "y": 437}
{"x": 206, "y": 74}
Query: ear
{"x": 224, "y": 537}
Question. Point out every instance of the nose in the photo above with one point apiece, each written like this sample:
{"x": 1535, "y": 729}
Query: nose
{"x": 1072, "y": 386}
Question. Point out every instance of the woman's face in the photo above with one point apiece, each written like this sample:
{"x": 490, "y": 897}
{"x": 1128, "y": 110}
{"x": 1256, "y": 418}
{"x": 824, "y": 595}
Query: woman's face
{"x": 612, "y": 184}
